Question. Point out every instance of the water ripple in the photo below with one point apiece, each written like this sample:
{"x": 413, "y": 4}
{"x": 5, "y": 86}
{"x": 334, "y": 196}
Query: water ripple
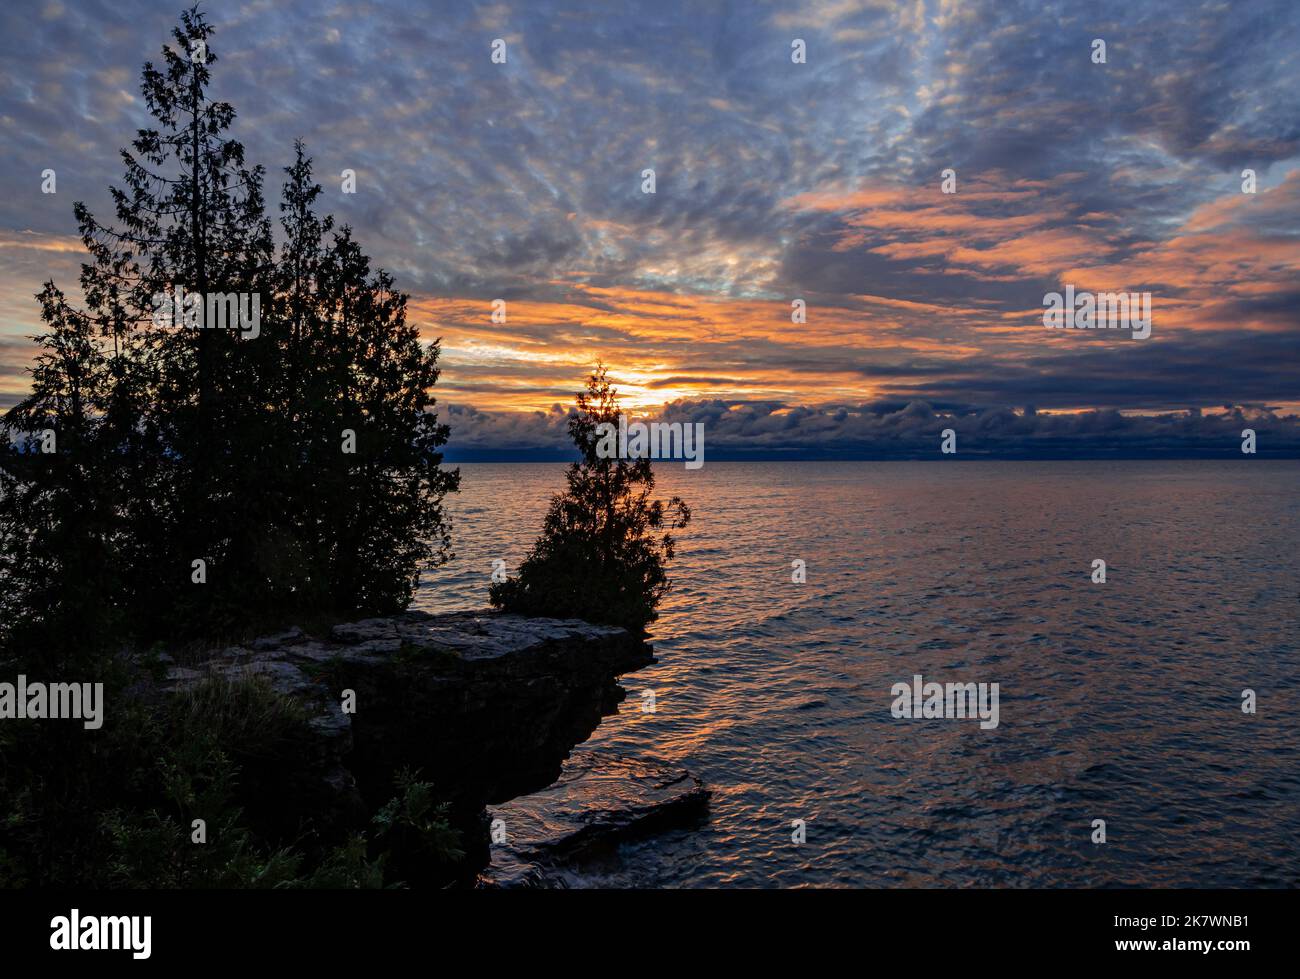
{"x": 1118, "y": 701}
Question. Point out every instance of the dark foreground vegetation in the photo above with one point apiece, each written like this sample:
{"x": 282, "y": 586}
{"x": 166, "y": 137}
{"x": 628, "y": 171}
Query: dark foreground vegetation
{"x": 167, "y": 490}
{"x": 606, "y": 542}
{"x": 163, "y": 486}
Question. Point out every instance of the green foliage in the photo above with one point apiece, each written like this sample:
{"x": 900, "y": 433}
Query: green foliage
{"x": 176, "y": 444}
{"x": 244, "y": 716}
{"x": 347, "y": 867}
{"x": 416, "y": 821}
{"x": 59, "y": 586}
{"x": 131, "y": 824}
{"x": 606, "y": 542}
{"x": 154, "y": 850}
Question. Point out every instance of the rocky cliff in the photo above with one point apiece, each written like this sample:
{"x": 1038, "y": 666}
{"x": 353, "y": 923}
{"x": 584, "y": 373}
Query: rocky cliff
{"x": 486, "y": 706}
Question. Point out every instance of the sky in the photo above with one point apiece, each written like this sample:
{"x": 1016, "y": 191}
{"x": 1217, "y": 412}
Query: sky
{"x": 775, "y": 181}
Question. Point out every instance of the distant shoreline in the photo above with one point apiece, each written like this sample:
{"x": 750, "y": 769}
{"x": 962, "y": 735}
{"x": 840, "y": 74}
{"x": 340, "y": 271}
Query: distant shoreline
{"x": 452, "y": 457}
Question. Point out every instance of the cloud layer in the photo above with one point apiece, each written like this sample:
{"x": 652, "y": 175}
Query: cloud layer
{"x": 775, "y": 181}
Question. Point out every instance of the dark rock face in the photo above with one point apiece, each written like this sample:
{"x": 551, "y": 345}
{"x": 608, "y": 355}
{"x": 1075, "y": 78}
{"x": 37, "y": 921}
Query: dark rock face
{"x": 485, "y": 706}
{"x": 488, "y": 705}
{"x": 599, "y": 799}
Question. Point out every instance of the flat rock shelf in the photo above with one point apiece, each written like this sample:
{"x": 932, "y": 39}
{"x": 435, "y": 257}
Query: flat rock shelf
{"x": 599, "y": 799}
{"x": 486, "y": 706}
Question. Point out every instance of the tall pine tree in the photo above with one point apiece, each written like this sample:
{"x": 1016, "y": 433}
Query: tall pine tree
{"x": 207, "y": 444}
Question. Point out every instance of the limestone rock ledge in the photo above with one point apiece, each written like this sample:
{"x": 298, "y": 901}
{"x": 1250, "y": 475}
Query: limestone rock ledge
{"x": 486, "y": 706}
{"x": 599, "y": 799}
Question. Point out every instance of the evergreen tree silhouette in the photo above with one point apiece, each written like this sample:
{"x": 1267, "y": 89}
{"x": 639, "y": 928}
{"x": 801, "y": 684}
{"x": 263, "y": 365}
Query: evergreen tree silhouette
{"x": 174, "y": 444}
{"x": 57, "y": 521}
{"x": 370, "y": 517}
{"x": 191, "y": 215}
{"x": 605, "y": 542}
{"x": 178, "y": 444}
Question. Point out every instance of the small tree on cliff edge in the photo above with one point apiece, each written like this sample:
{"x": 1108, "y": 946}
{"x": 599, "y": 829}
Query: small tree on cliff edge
{"x": 605, "y": 543}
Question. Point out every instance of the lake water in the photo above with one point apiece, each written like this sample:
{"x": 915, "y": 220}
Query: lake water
{"x": 1118, "y": 701}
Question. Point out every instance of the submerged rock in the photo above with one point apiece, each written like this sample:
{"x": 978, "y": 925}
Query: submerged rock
{"x": 600, "y": 798}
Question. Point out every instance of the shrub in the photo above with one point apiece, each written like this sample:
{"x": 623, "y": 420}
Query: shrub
{"x": 606, "y": 542}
